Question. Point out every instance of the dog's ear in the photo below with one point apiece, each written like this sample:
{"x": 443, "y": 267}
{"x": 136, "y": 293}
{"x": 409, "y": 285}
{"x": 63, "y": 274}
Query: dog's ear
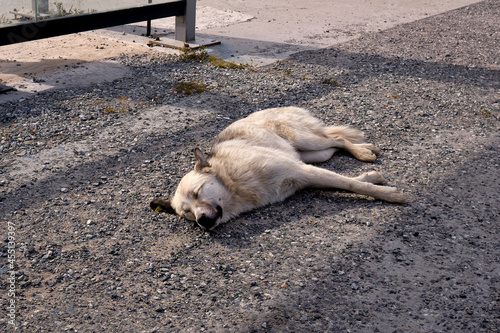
{"x": 161, "y": 205}
{"x": 201, "y": 159}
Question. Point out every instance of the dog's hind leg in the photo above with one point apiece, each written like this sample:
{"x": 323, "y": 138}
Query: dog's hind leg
{"x": 315, "y": 143}
{"x": 354, "y": 142}
{"x": 322, "y": 178}
{"x": 351, "y": 134}
{"x": 305, "y": 143}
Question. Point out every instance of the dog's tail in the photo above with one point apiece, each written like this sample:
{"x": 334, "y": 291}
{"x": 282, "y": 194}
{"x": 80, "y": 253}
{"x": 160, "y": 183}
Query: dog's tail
{"x": 351, "y": 134}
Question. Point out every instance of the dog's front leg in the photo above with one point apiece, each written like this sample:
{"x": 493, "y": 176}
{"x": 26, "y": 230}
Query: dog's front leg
{"x": 321, "y": 178}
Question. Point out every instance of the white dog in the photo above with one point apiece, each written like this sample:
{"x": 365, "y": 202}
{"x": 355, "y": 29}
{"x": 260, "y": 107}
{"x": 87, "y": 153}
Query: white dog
{"x": 262, "y": 159}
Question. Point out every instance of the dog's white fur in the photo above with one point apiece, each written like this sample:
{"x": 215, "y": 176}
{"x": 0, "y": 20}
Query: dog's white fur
{"x": 262, "y": 158}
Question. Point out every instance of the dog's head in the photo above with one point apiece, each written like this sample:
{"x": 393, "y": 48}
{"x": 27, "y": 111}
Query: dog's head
{"x": 198, "y": 196}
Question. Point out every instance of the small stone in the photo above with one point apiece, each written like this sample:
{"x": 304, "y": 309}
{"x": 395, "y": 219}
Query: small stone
{"x": 64, "y": 189}
{"x": 48, "y": 255}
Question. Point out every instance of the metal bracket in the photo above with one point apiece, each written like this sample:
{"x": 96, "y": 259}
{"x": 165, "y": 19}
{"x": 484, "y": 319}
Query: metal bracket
{"x": 179, "y": 45}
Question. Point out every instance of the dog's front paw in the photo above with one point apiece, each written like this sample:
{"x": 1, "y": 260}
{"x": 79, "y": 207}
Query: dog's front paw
{"x": 373, "y": 177}
{"x": 395, "y": 196}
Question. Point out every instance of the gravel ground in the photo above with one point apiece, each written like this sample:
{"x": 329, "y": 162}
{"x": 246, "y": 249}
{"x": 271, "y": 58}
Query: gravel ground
{"x": 79, "y": 166}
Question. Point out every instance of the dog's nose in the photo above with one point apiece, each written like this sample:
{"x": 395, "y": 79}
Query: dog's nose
{"x": 206, "y": 222}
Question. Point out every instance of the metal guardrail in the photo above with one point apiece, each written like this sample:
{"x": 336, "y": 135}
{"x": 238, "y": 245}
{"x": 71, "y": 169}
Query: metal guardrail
{"x": 183, "y": 10}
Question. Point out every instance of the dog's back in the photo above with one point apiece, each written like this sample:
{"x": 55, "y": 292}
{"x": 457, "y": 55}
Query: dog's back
{"x": 280, "y": 128}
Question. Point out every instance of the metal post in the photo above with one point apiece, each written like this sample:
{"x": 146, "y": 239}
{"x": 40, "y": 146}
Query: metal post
{"x": 40, "y": 6}
{"x": 148, "y": 23}
{"x": 185, "y": 25}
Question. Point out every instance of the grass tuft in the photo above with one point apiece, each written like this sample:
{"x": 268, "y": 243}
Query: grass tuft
{"x": 189, "y": 87}
{"x": 331, "y": 81}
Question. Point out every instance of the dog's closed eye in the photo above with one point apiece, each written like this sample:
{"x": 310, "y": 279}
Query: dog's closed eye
{"x": 196, "y": 193}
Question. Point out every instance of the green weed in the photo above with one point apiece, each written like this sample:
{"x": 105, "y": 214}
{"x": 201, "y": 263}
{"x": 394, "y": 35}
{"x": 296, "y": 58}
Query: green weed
{"x": 331, "y": 81}
{"x": 188, "y": 54}
{"x": 221, "y": 63}
{"x": 189, "y": 87}
{"x": 485, "y": 112}
{"x": 201, "y": 55}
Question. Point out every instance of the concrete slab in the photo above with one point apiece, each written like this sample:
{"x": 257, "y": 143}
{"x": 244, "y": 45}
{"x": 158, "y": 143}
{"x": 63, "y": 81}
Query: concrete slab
{"x": 76, "y": 75}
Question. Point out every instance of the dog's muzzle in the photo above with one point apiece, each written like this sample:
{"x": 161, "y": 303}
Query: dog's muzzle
{"x": 210, "y": 221}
